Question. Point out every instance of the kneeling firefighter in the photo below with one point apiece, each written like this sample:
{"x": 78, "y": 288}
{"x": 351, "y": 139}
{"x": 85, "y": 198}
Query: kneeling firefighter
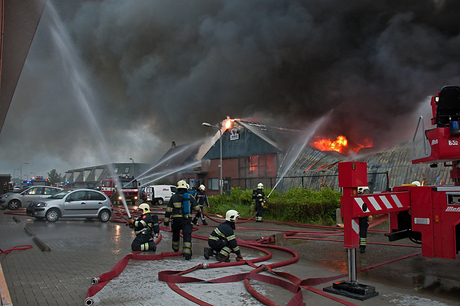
{"x": 179, "y": 211}
{"x": 223, "y": 241}
{"x": 143, "y": 228}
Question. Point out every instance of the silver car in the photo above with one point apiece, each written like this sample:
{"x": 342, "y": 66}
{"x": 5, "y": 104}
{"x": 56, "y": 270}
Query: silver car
{"x": 14, "y": 200}
{"x": 72, "y": 203}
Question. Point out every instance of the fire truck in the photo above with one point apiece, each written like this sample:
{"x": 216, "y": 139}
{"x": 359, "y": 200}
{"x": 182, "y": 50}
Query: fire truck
{"x": 429, "y": 215}
{"x": 112, "y": 186}
{"x": 36, "y": 181}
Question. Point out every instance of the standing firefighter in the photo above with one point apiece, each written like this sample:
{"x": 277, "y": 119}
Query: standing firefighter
{"x": 179, "y": 211}
{"x": 363, "y": 225}
{"x": 202, "y": 199}
{"x": 259, "y": 196}
{"x": 143, "y": 228}
{"x": 223, "y": 241}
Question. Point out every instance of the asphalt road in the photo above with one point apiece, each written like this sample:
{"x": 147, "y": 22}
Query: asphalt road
{"x": 80, "y": 250}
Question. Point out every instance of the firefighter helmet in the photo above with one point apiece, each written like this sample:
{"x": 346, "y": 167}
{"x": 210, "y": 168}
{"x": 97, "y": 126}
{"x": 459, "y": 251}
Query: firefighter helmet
{"x": 145, "y": 207}
{"x": 231, "y": 215}
{"x": 202, "y": 188}
{"x": 260, "y": 186}
{"x": 416, "y": 183}
{"x": 362, "y": 190}
{"x": 182, "y": 184}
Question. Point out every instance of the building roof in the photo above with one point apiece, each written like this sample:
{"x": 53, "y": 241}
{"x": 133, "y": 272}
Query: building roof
{"x": 247, "y": 138}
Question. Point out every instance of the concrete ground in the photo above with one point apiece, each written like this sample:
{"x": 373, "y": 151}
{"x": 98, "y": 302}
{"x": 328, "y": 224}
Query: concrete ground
{"x": 80, "y": 250}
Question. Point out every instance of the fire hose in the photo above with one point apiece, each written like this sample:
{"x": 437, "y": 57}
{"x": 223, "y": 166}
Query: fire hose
{"x": 292, "y": 283}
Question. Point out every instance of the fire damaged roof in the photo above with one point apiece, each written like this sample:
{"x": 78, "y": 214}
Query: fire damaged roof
{"x": 386, "y": 168}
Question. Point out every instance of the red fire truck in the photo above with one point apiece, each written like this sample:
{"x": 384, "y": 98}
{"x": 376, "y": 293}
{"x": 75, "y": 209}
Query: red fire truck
{"x": 112, "y": 186}
{"x": 429, "y": 215}
{"x": 36, "y": 181}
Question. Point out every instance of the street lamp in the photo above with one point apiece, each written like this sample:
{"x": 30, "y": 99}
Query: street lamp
{"x": 134, "y": 171}
{"x": 21, "y": 170}
{"x": 220, "y": 131}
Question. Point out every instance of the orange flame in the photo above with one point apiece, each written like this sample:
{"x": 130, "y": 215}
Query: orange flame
{"x": 228, "y": 124}
{"x": 328, "y": 145}
{"x": 341, "y": 144}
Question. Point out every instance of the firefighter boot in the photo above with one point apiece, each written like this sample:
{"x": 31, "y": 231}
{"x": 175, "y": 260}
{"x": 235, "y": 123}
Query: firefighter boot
{"x": 362, "y": 249}
{"x": 195, "y": 221}
{"x": 208, "y": 252}
{"x": 222, "y": 258}
{"x": 188, "y": 256}
{"x": 204, "y": 222}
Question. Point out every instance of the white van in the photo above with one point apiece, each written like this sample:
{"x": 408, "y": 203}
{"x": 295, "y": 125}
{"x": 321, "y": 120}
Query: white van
{"x": 157, "y": 194}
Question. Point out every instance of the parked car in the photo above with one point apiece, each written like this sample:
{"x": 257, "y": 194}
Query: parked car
{"x": 72, "y": 203}
{"x": 158, "y": 194}
{"x": 14, "y": 200}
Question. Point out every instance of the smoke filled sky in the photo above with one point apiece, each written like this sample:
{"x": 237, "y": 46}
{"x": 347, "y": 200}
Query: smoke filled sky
{"x": 150, "y": 72}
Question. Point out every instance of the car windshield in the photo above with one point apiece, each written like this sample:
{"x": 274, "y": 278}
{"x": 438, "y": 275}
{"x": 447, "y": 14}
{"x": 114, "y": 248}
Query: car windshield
{"x": 60, "y": 194}
{"x": 129, "y": 184}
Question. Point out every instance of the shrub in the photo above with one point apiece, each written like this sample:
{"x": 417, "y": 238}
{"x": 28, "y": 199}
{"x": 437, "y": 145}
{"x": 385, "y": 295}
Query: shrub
{"x": 299, "y": 205}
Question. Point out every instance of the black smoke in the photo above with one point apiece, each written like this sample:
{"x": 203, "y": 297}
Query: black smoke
{"x": 161, "y": 68}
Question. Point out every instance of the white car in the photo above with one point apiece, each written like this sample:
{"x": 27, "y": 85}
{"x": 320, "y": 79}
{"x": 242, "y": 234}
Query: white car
{"x": 72, "y": 203}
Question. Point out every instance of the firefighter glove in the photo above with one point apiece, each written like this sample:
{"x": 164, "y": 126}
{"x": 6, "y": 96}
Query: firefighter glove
{"x": 130, "y": 222}
{"x": 239, "y": 258}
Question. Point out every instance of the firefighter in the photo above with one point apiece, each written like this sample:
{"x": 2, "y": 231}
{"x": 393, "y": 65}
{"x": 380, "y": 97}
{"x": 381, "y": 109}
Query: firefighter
{"x": 143, "y": 228}
{"x": 179, "y": 212}
{"x": 258, "y": 195}
{"x": 202, "y": 199}
{"x": 363, "y": 225}
{"x": 222, "y": 240}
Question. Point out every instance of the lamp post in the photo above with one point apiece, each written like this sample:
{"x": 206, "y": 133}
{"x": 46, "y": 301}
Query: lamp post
{"x": 220, "y": 165}
{"x": 21, "y": 170}
{"x": 134, "y": 169}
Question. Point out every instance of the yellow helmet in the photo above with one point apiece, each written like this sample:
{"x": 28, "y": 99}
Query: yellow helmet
{"x": 145, "y": 207}
{"x": 182, "y": 184}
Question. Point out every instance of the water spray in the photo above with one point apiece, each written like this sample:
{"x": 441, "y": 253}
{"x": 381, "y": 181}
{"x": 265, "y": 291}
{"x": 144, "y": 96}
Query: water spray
{"x": 81, "y": 87}
{"x": 297, "y": 152}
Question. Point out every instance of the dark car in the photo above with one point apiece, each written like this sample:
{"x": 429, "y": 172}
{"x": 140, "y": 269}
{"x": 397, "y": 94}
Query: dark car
{"x": 14, "y": 200}
{"x": 72, "y": 203}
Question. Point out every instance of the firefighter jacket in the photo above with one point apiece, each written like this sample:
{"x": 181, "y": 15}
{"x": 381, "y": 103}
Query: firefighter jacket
{"x": 258, "y": 195}
{"x": 224, "y": 233}
{"x": 202, "y": 198}
{"x": 145, "y": 224}
{"x": 175, "y": 208}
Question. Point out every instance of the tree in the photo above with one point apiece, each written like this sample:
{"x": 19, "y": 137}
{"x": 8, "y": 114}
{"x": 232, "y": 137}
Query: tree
{"x": 54, "y": 177}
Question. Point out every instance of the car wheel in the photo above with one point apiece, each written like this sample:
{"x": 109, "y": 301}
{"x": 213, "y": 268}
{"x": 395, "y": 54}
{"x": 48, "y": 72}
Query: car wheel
{"x": 160, "y": 201}
{"x": 14, "y": 204}
{"x": 104, "y": 216}
{"x": 52, "y": 215}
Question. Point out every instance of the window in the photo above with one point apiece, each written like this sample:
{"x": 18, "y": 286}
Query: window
{"x": 35, "y": 191}
{"x": 127, "y": 170}
{"x": 76, "y": 196}
{"x": 115, "y": 170}
{"x": 95, "y": 196}
{"x": 213, "y": 184}
{"x": 253, "y": 166}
